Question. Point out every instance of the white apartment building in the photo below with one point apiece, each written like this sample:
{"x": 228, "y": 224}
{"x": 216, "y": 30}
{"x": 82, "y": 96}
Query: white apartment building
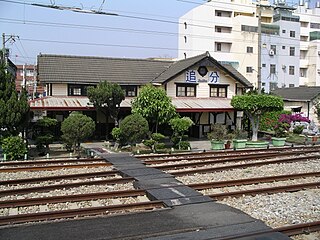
{"x": 229, "y": 30}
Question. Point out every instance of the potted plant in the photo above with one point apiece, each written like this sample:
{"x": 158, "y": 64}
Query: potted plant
{"x": 240, "y": 139}
{"x": 280, "y": 131}
{"x": 218, "y": 135}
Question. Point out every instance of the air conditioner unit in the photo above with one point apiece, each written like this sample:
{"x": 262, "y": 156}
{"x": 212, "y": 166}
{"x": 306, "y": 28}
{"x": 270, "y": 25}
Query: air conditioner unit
{"x": 271, "y": 52}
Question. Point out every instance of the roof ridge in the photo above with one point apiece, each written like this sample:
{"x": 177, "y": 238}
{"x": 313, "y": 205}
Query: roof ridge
{"x": 206, "y": 54}
{"x": 110, "y": 58}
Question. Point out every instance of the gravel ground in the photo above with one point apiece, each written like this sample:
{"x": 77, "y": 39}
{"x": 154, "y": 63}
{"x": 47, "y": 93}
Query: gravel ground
{"x": 59, "y": 182}
{"x": 251, "y": 172}
{"x": 280, "y": 209}
{"x": 70, "y": 205}
{"x": 71, "y": 191}
{"x": 260, "y": 185}
{"x": 36, "y": 174}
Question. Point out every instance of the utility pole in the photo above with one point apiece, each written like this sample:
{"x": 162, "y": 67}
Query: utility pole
{"x": 259, "y": 48}
{"x": 4, "y": 50}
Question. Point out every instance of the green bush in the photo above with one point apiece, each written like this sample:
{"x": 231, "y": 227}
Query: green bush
{"x": 184, "y": 145}
{"x": 116, "y": 134}
{"x": 14, "y": 147}
{"x": 298, "y": 129}
{"x": 134, "y": 128}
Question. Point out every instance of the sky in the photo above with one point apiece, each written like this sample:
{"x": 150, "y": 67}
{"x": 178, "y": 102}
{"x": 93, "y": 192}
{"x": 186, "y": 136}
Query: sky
{"x": 142, "y": 29}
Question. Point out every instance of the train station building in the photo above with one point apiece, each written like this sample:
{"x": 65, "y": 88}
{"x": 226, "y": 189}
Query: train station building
{"x": 200, "y": 87}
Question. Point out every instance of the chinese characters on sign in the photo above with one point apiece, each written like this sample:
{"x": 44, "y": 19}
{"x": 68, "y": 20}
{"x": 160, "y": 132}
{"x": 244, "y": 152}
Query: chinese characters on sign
{"x": 211, "y": 77}
{"x": 191, "y": 76}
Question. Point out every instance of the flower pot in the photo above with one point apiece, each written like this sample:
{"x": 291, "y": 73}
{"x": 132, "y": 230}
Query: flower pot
{"x": 278, "y": 142}
{"x": 257, "y": 144}
{"x": 239, "y": 143}
{"x": 217, "y": 145}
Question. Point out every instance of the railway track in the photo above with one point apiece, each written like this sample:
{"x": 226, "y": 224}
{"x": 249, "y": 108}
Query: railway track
{"x": 190, "y": 155}
{"x": 92, "y": 211}
{"x": 230, "y": 167}
{"x": 291, "y": 230}
{"x": 22, "y": 202}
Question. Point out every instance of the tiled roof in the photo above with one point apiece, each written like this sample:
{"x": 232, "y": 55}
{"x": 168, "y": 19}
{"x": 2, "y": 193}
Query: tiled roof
{"x": 182, "y": 65}
{"x": 298, "y": 93}
{"x": 82, "y": 103}
{"x": 77, "y": 69}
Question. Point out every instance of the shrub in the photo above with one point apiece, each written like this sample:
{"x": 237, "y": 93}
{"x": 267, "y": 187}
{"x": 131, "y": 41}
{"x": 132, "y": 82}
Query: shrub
{"x": 298, "y": 129}
{"x": 76, "y": 128}
{"x": 14, "y": 147}
{"x": 219, "y": 132}
{"x": 184, "y": 145}
{"x": 134, "y": 128}
{"x": 116, "y": 134}
{"x": 270, "y": 119}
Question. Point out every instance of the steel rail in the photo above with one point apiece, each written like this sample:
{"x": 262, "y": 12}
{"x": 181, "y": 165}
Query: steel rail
{"x": 70, "y": 198}
{"x": 278, "y": 189}
{"x": 54, "y": 167}
{"x": 224, "y": 152}
{"x": 302, "y": 228}
{"x": 233, "y": 156}
{"x": 22, "y": 218}
{"x": 59, "y": 177}
{"x": 39, "y": 162}
{"x": 235, "y": 159}
{"x": 246, "y": 181}
{"x": 290, "y": 230}
{"x": 67, "y": 185}
{"x": 230, "y": 167}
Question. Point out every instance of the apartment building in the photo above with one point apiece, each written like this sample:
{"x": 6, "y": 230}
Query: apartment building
{"x": 239, "y": 32}
{"x": 26, "y": 77}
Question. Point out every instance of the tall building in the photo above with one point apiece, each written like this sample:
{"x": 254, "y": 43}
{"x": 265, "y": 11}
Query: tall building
{"x": 243, "y": 33}
{"x": 26, "y": 77}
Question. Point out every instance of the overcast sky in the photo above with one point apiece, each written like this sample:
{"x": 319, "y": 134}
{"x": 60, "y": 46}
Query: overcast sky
{"x": 144, "y": 28}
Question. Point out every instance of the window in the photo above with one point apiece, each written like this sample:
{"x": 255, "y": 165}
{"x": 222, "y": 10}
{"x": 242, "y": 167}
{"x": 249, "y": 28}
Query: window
{"x": 291, "y": 85}
{"x": 283, "y": 47}
{"x": 249, "y": 49}
{"x": 77, "y": 90}
{"x": 131, "y": 91}
{"x": 264, "y": 65}
{"x": 273, "y": 86}
{"x": 218, "y": 47}
{"x": 218, "y": 29}
{"x": 218, "y": 90}
{"x": 185, "y": 39}
{"x": 186, "y": 90}
{"x": 292, "y": 50}
{"x": 292, "y": 34}
{"x": 185, "y": 25}
{"x": 185, "y": 55}
{"x": 291, "y": 70}
{"x": 283, "y": 31}
{"x": 249, "y": 69}
{"x": 218, "y": 14}
{"x": 274, "y": 48}
{"x": 272, "y": 68}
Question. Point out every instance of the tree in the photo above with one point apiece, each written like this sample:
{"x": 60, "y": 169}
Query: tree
{"x": 44, "y": 133}
{"x": 154, "y": 105}
{"x": 133, "y": 128}
{"x": 254, "y": 106}
{"x": 14, "y": 147}
{"x": 179, "y": 127}
{"x": 107, "y": 97}
{"x": 76, "y": 128}
{"x": 14, "y": 108}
